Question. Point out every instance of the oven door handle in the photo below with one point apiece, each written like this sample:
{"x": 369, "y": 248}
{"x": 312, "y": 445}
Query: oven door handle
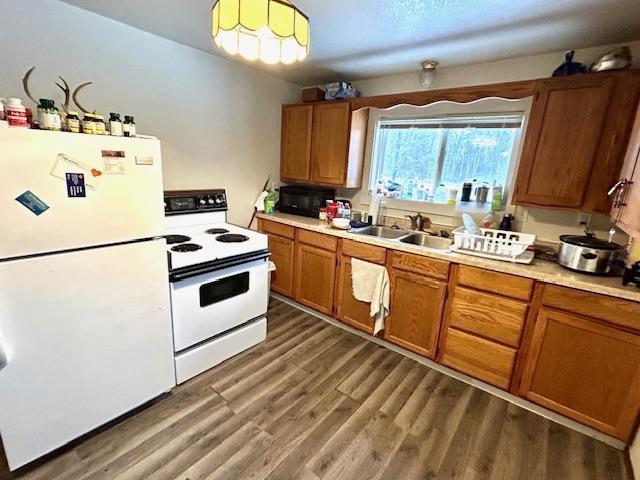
{"x": 184, "y": 274}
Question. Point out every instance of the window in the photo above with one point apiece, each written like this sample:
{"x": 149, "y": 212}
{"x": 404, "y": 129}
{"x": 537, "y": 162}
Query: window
{"x": 421, "y": 159}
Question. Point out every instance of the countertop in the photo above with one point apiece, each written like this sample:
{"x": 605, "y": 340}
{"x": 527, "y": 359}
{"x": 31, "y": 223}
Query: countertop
{"x": 544, "y": 271}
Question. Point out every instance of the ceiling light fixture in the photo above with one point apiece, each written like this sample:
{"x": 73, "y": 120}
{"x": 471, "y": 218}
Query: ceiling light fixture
{"x": 428, "y": 73}
{"x": 272, "y": 31}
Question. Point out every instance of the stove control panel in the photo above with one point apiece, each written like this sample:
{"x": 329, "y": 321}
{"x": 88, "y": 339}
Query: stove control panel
{"x": 194, "y": 201}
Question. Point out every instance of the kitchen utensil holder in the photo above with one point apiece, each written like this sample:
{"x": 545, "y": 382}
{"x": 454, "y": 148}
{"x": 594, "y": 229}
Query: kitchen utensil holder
{"x": 493, "y": 243}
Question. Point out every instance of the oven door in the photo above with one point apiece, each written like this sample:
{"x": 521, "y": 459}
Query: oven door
{"x": 209, "y": 304}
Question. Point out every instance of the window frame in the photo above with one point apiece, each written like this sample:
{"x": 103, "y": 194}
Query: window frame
{"x": 488, "y": 106}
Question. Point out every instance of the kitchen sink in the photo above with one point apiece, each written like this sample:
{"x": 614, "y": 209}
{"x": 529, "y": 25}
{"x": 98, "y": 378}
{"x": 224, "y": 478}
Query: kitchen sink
{"x": 424, "y": 240}
{"x": 382, "y": 232}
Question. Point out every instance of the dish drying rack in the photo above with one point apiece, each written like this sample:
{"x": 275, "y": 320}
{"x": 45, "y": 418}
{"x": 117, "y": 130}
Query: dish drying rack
{"x": 495, "y": 244}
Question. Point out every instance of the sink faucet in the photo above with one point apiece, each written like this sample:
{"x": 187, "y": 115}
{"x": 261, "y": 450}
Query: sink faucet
{"x": 418, "y": 222}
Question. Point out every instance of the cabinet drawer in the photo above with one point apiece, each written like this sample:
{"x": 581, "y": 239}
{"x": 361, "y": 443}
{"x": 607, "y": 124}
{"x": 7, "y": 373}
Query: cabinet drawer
{"x": 494, "y": 282}
{"x": 421, "y": 265}
{"x": 496, "y": 318}
{"x": 319, "y": 240}
{"x": 363, "y": 251}
{"x": 275, "y": 228}
{"x": 479, "y": 358}
{"x": 613, "y": 310}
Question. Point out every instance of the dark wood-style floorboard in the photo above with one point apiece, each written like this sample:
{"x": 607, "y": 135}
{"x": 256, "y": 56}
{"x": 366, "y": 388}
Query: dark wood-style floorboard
{"x": 315, "y": 402}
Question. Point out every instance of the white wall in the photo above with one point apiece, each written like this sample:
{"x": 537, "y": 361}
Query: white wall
{"x": 547, "y": 224}
{"x": 219, "y": 121}
{"x": 509, "y": 70}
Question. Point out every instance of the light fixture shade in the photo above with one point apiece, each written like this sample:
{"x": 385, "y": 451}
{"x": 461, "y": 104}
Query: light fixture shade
{"x": 428, "y": 73}
{"x": 273, "y": 31}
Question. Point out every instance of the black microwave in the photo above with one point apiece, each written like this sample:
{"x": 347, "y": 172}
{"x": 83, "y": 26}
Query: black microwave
{"x": 305, "y": 201}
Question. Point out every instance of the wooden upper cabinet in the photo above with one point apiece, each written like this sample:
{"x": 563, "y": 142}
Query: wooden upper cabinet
{"x": 295, "y": 161}
{"x": 330, "y": 143}
{"x": 584, "y": 370}
{"x": 562, "y": 141}
{"x": 323, "y": 144}
{"x": 626, "y": 207}
{"x": 575, "y": 140}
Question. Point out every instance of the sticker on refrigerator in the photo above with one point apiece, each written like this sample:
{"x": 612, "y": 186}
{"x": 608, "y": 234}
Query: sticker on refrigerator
{"x": 113, "y": 162}
{"x": 76, "y": 185}
{"x": 66, "y": 164}
{"x": 144, "y": 160}
{"x": 29, "y": 200}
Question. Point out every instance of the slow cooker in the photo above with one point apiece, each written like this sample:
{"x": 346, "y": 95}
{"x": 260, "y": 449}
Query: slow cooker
{"x": 588, "y": 254}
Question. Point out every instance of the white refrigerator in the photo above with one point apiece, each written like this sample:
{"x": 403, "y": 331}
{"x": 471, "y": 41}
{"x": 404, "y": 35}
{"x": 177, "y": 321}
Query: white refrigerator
{"x": 85, "y": 322}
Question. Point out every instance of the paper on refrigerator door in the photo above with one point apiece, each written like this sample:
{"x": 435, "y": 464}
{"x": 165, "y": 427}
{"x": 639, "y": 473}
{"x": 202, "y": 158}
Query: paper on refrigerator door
{"x": 66, "y": 164}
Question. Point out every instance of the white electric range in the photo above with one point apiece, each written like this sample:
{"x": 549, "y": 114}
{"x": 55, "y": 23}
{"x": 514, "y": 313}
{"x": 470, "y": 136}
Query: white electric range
{"x": 218, "y": 275}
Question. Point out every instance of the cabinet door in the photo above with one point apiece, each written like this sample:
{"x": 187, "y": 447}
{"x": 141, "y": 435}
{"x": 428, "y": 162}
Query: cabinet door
{"x": 562, "y": 141}
{"x": 626, "y": 208}
{"x": 614, "y": 141}
{"x": 584, "y": 370}
{"x": 349, "y": 310}
{"x": 416, "y": 312}
{"x": 295, "y": 158}
{"x": 282, "y": 251}
{"x": 330, "y": 145}
{"x": 314, "y": 277}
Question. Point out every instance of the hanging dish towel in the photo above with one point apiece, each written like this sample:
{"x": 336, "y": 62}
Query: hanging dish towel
{"x": 371, "y": 284}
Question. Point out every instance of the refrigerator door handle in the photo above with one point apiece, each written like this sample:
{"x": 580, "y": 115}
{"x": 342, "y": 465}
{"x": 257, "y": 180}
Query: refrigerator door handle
{"x": 3, "y": 358}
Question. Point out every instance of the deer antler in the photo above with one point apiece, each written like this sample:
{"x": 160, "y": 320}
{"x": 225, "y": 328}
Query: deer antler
{"x": 75, "y": 97}
{"x": 25, "y": 84}
{"x": 67, "y": 94}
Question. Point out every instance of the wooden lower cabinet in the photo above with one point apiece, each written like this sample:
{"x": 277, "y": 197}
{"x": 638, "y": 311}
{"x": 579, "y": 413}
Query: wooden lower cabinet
{"x": 282, "y": 254}
{"x": 417, "y": 302}
{"x": 584, "y": 369}
{"x": 483, "y": 359}
{"x": 349, "y": 310}
{"x": 315, "y": 270}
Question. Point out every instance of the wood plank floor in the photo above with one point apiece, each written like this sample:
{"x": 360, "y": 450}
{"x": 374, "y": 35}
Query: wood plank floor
{"x": 316, "y": 402}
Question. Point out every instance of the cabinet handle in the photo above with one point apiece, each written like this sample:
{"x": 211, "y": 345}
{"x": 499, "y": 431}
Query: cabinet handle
{"x": 617, "y": 186}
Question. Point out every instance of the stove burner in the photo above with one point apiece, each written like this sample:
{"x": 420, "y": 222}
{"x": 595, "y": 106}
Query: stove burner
{"x": 186, "y": 247}
{"x": 173, "y": 239}
{"x": 232, "y": 238}
{"x": 216, "y": 231}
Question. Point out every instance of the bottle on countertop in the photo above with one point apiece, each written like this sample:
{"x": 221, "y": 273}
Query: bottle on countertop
{"x": 269, "y": 201}
{"x": 496, "y": 198}
{"x": 507, "y": 222}
{"x": 129, "y": 127}
{"x": 115, "y": 125}
{"x": 3, "y": 116}
{"x": 16, "y": 113}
